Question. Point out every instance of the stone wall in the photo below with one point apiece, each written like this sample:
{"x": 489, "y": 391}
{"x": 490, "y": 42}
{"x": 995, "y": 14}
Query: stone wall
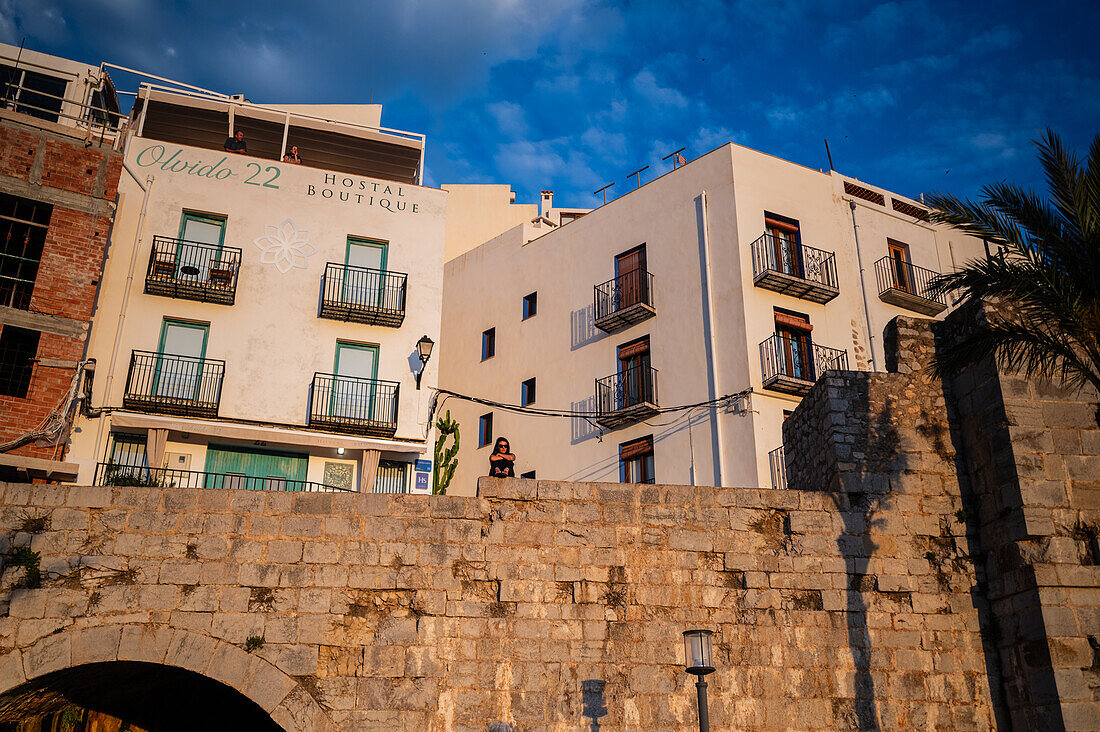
{"x": 1024, "y": 458}
{"x": 546, "y": 606}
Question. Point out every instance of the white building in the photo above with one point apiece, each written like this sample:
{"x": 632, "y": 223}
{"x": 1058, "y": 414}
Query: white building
{"x": 258, "y": 320}
{"x": 736, "y": 274}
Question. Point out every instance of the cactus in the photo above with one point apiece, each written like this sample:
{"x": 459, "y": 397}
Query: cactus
{"x": 446, "y": 460}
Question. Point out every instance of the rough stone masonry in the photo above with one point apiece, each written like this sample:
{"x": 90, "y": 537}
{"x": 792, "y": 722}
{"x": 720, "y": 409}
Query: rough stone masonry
{"x": 862, "y": 598}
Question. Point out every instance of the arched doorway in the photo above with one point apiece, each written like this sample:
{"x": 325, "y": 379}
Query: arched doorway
{"x": 150, "y": 696}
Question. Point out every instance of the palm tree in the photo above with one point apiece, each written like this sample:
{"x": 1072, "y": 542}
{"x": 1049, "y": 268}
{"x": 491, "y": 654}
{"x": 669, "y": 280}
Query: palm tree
{"x": 1047, "y": 274}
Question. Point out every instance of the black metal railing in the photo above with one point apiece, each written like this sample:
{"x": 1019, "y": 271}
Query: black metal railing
{"x": 354, "y": 404}
{"x": 629, "y": 388}
{"x": 778, "y": 465}
{"x": 771, "y": 253}
{"x": 798, "y": 358}
{"x": 895, "y": 274}
{"x": 129, "y": 475}
{"x": 622, "y": 293}
{"x": 193, "y": 270}
{"x": 363, "y": 295}
{"x": 172, "y": 384}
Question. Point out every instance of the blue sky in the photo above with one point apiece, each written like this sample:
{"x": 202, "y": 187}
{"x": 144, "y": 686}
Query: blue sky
{"x": 912, "y": 95}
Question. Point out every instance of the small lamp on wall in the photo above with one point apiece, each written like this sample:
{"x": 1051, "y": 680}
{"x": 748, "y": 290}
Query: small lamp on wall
{"x": 424, "y": 350}
{"x": 698, "y": 661}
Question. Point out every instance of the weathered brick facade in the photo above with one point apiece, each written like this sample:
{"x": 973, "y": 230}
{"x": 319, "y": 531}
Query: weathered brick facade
{"x": 54, "y": 164}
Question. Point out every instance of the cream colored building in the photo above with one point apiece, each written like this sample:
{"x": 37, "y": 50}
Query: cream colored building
{"x": 730, "y": 283}
{"x": 258, "y": 320}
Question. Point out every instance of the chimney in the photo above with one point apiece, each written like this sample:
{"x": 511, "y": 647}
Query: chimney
{"x": 546, "y": 203}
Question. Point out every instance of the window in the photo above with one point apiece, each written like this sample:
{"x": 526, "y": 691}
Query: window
{"x": 899, "y": 264}
{"x": 530, "y": 305}
{"x": 39, "y": 96}
{"x": 636, "y": 460}
{"x": 179, "y": 366}
{"x": 488, "y": 343}
{"x": 570, "y": 216}
{"x": 783, "y": 252}
{"x": 631, "y": 283}
{"x": 529, "y": 475}
{"x": 485, "y": 429}
{"x": 203, "y": 228}
{"x": 18, "y": 348}
{"x": 23, "y": 226}
{"x": 393, "y": 477}
{"x": 527, "y": 392}
{"x": 635, "y": 381}
{"x": 795, "y": 356}
{"x": 364, "y": 284}
{"x": 127, "y": 457}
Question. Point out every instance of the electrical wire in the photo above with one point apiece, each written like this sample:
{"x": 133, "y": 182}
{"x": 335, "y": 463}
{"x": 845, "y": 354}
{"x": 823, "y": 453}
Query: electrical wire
{"x": 574, "y": 413}
{"x": 55, "y": 422}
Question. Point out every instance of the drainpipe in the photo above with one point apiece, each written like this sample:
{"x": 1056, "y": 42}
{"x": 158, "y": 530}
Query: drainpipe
{"x": 721, "y": 466}
{"x": 125, "y": 294}
{"x": 863, "y": 287}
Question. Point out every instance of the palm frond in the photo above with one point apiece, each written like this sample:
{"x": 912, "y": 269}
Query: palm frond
{"x": 1048, "y": 274}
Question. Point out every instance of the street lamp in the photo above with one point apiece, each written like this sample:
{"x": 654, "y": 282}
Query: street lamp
{"x": 698, "y": 661}
{"x": 424, "y": 350}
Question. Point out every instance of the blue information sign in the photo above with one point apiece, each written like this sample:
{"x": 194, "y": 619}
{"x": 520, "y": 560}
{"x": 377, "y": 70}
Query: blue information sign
{"x": 422, "y": 481}
{"x": 423, "y": 466}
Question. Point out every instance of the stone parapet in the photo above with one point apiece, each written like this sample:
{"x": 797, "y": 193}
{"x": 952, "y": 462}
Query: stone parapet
{"x": 543, "y": 605}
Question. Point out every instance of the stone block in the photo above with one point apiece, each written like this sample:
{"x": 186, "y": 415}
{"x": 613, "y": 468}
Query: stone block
{"x": 49, "y": 654}
{"x": 11, "y": 670}
{"x": 96, "y": 645}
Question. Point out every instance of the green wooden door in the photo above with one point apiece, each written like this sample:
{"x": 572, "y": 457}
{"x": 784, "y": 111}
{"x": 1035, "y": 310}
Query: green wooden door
{"x": 252, "y": 469}
{"x": 365, "y": 287}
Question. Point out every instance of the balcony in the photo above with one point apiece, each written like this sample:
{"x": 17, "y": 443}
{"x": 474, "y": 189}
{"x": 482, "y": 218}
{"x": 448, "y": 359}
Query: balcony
{"x": 170, "y": 384}
{"x": 626, "y": 397}
{"x": 354, "y": 405}
{"x": 192, "y": 270}
{"x": 362, "y": 295}
{"x": 792, "y": 365}
{"x": 906, "y": 285}
{"x": 129, "y": 475}
{"x": 778, "y": 465}
{"x": 786, "y": 267}
{"x": 624, "y": 301}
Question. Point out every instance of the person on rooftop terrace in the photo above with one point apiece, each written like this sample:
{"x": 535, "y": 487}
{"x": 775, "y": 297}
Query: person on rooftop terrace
{"x": 236, "y": 143}
{"x": 502, "y": 461}
{"x": 292, "y": 156}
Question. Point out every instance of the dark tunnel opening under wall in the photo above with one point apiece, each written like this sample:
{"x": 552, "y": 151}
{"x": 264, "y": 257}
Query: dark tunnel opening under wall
{"x": 151, "y": 696}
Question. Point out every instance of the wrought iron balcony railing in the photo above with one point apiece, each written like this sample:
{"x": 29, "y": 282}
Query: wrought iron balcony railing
{"x": 353, "y": 404}
{"x": 626, "y": 397}
{"x": 192, "y": 270}
{"x": 785, "y": 266}
{"x": 171, "y": 384}
{"x": 778, "y": 465}
{"x": 792, "y": 365}
{"x": 907, "y": 286}
{"x": 363, "y": 295}
{"x": 129, "y": 475}
{"x": 624, "y": 301}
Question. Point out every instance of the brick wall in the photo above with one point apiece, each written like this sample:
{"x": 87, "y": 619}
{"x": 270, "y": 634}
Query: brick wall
{"x": 79, "y": 181}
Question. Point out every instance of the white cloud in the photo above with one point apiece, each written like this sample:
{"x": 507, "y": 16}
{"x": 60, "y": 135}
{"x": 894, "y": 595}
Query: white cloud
{"x": 708, "y": 138}
{"x": 998, "y": 38}
{"x": 645, "y": 83}
{"x": 510, "y": 118}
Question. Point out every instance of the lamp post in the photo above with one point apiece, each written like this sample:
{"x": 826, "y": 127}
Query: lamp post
{"x": 424, "y": 350}
{"x": 698, "y": 661}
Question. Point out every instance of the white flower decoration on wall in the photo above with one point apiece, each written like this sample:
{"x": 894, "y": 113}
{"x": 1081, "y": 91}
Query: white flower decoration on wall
{"x": 286, "y": 246}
